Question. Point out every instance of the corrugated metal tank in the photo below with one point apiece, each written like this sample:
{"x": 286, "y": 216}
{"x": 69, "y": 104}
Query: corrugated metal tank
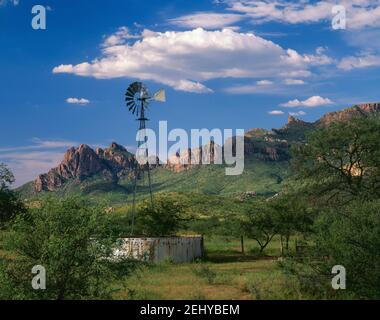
{"x": 157, "y": 249}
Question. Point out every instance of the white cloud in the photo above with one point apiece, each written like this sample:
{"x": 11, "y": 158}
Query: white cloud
{"x": 207, "y": 20}
{"x": 191, "y": 86}
{"x": 298, "y": 73}
{"x": 119, "y": 37}
{"x": 276, "y": 112}
{"x": 297, "y": 114}
{"x": 364, "y": 61}
{"x": 282, "y": 11}
{"x": 81, "y": 101}
{"x": 294, "y": 82}
{"x": 41, "y": 144}
{"x": 184, "y": 60}
{"x": 360, "y": 13}
{"x": 26, "y": 162}
{"x": 367, "y": 15}
{"x": 264, "y": 82}
{"x": 314, "y": 101}
{"x": 26, "y": 167}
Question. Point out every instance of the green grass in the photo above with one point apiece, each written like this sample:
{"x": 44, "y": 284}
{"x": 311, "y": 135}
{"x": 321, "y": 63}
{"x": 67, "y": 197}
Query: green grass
{"x": 224, "y": 274}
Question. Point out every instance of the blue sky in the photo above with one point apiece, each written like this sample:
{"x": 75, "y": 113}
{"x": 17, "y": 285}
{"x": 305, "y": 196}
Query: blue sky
{"x": 224, "y": 64}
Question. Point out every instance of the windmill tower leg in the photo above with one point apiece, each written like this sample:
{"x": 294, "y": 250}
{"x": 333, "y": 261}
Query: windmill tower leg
{"x": 142, "y": 120}
{"x": 147, "y": 155}
{"x": 134, "y": 198}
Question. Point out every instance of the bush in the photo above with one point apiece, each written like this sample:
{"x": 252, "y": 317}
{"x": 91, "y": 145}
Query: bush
{"x": 71, "y": 240}
{"x": 161, "y": 219}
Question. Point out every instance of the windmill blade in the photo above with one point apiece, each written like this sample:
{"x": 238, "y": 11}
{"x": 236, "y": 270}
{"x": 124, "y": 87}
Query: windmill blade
{"x": 129, "y": 94}
{"x": 130, "y": 108}
{"x": 130, "y": 90}
{"x": 160, "y": 96}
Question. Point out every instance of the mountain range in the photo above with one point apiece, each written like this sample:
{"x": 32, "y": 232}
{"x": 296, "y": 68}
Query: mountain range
{"x": 110, "y": 171}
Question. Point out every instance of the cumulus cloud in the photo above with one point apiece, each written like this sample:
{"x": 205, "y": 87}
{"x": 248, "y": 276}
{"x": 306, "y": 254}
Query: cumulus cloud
{"x": 314, "y": 101}
{"x": 119, "y": 37}
{"x": 191, "y": 86}
{"x": 81, "y": 101}
{"x": 276, "y": 112}
{"x": 364, "y": 61}
{"x": 184, "y": 60}
{"x": 207, "y": 20}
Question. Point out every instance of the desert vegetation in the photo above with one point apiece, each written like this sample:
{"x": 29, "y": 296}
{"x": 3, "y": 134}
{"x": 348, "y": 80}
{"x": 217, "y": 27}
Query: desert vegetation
{"x": 261, "y": 246}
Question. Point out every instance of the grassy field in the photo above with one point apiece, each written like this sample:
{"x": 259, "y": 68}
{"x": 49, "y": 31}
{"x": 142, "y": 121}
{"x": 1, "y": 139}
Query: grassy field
{"x": 224, "y": 274}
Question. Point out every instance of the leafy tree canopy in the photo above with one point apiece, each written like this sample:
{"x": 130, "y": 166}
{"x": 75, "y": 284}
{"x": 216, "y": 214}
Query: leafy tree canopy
{"x": 71, "y": 241}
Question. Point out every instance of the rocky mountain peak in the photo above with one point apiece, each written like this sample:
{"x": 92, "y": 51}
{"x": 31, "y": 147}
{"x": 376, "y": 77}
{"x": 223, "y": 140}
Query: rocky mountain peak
{"x": 116, "y": 147}
{"x": 292, "y": 119}
{"x": 359, "y": 110}
{"x": 82, "y": 162}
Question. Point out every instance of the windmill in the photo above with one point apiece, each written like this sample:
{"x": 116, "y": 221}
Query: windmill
{"x": 137, "y": 99}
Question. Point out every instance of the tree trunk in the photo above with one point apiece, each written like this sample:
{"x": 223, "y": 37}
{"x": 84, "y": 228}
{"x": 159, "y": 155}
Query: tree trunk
{"x": 287, "y": 243}
{"x": 242, "y": 244}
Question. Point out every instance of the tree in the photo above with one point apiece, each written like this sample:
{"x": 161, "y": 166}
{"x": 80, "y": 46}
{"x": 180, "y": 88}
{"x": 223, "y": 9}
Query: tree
{"x": 352, "y": 239}
{"x": 163, "y": 219}
{"x": 71, "y": 241}
{"x": 6, "y": 176}
{"x": 338, "y": 175}
{"x": 341, "y": 162}
{"x": 260, "y": 225}
{"x": 291, "y": 215}
{"x": 10, "y": 204}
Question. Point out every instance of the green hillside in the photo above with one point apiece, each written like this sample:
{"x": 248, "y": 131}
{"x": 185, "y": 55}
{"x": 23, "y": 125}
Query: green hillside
{"x": 261, "y": 177}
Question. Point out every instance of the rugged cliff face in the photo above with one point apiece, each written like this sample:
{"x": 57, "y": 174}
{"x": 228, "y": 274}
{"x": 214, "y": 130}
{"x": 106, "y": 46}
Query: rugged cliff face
{"x": 209, "y": 153}
{"x": 361, "y": 110}
{"x": 82, "y": 162}
{"x": 115, "y": 161}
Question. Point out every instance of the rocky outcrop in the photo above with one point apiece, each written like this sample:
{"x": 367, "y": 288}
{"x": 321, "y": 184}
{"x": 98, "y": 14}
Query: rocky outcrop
{"x": 210, "y": 153}
{"x": 83, "y": 162}
{"x": 117, "y": 159}
{"x": 360, "y": 110}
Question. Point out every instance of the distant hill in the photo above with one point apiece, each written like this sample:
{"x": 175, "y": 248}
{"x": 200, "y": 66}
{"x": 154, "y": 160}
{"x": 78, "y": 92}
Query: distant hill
{"x": 108, "y": 173}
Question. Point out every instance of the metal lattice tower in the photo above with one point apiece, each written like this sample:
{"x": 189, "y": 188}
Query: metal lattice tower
{"x": 137, "y": 99}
